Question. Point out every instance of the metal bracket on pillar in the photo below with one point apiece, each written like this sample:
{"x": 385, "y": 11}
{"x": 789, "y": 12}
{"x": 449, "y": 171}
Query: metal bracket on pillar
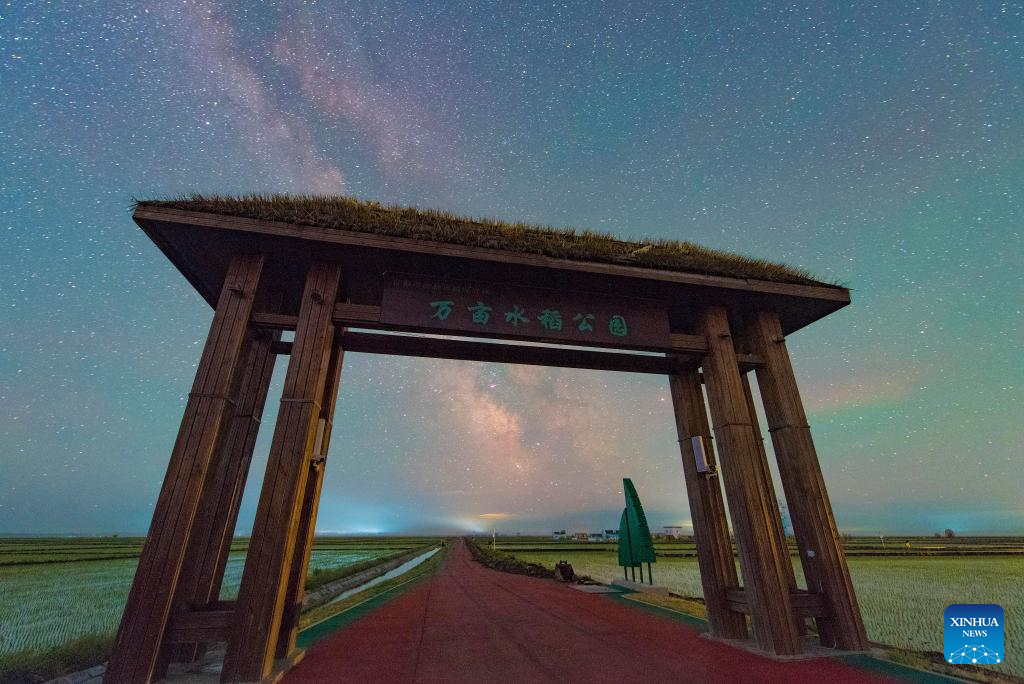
{"x": 316, "y": 462}
{"x": 703, "y": 455}
{"x": 318, "y": 441}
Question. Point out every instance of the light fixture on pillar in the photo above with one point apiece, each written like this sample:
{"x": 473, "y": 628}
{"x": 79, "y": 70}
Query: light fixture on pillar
{"x": 703, "y": 456}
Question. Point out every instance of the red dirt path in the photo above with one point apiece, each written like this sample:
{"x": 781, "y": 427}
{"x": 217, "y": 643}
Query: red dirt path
{"x": 471, "y": 624}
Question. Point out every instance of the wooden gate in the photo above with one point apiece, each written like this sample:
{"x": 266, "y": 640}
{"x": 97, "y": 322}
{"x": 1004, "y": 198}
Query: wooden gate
{"x": 341, "y": 282}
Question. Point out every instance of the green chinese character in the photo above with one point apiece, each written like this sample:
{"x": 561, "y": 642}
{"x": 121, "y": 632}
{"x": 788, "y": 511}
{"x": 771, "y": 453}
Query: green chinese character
{"x": 481, "y": 313}
{"x": 515, "y": 316}
{"x": 617, "y": 326}
{"x": 584, "y": 322}
{"x": 444, "y": 309}
{"x": 550, "y": 320}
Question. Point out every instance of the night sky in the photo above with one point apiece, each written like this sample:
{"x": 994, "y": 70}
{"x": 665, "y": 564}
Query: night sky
{"x": 878, "y": 145}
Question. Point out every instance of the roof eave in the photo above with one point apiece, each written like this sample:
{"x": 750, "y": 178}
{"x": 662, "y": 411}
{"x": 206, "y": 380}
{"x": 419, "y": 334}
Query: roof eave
{"x": 344, "y": 237}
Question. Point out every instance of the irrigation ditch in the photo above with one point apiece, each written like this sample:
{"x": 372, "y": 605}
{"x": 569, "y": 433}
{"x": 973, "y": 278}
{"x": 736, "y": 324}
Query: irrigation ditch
{"x": 330, "y": 591}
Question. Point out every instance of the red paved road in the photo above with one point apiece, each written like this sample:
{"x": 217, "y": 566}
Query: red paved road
{"x": 471, "y": 624}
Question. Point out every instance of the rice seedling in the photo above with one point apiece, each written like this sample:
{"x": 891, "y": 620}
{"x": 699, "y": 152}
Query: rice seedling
{"x": 57, "y": 591}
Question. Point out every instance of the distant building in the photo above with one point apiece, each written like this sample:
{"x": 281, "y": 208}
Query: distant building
{"x": 597, "y": 536}
{"x": 611, "y": 535}
{"x": 674, "y": 531}
{"x": 559, "y": 535}
{"x": 582, "y": 536}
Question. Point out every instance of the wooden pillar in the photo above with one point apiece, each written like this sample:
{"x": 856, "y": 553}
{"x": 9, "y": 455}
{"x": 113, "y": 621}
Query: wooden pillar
{"x": 310, "y": 503}
{"x": 152, "y": 595}
{"x": 707, "y": 510}
{"x": 257, "y": 621}
{"x": 214, "y": 526}
{"x": 785, "y": 564}
{"x": 821, "y": 550}
{"x": 747, "y": 491}
{"x": 245, "y": 445}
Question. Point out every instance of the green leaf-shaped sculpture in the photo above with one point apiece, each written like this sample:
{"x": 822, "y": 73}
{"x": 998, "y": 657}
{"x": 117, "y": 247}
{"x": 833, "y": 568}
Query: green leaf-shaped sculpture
{"x": 635, "y": 545}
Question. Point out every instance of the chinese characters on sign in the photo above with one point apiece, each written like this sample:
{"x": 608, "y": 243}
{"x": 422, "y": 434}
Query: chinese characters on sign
{"x": 481, "y": 313}
{"x": 444, "y": 309}
{"x": 549, "y": 319}
{"x": 427, "y": 304}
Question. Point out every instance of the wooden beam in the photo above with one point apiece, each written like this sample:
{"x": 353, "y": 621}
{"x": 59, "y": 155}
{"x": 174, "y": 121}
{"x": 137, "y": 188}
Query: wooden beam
{"x": 199, "y": 626}
{"x": 749, "y": 362}
{"x": 359, "y": 315}
{"x": 804, "y": 603}
{"x": 682, "y": 342}
{"x": 821, "y": 549}
{"x": 406, "y": 345}
{"x": 568, "y": 358}
{"x": 261, "y": 597}
{"x": 807, "y": 604}
{"x": 444, "y": 348}
{"x": 710, "y": 528}
{"x": 683, "y": 345}
{"x": 210, "y": 402}
{"x": 747, "y": 492}
{"x": 347, "y": 313}
{"x": 250, "y": 418}
{"x": 368, "y": 315}
{"x": 310, "y": 504}
{"x": 274, "y": 321}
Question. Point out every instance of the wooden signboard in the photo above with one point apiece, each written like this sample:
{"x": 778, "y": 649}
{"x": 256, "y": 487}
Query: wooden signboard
{"x": 485, "y": 310}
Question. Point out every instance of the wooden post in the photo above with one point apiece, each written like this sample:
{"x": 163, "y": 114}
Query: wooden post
{"x": 786, "y": 567}
{"x": 152, "y": 595}
{"x": 252, "y": 643}
{"x": 310, "y": 504}
{"x": 252, "y": 420}
{"x": 821, "y": 550}
{"x": 214, "y": 526}
{"x": 707, "y": 509}
{"x": 746, "y": 490}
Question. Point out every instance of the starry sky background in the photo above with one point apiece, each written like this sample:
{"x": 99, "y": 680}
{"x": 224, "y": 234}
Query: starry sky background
{"x": 879, "y": 145}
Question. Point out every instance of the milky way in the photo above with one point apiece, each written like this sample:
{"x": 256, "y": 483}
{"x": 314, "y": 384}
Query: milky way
{"x": 877, "y": 146}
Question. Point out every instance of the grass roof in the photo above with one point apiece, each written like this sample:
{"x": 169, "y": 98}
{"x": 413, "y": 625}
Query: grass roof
{"x": 351, "y": 214}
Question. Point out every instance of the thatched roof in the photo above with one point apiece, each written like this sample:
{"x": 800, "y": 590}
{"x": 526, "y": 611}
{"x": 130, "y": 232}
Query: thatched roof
{"x": 350, "y": 214}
